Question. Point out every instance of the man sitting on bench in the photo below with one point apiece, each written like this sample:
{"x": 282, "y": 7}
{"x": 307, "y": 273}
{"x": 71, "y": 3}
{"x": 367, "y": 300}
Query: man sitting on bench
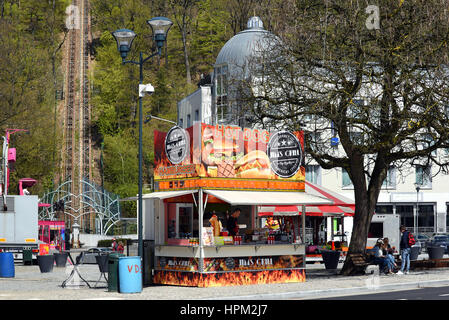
{"x": 385, "y": 264}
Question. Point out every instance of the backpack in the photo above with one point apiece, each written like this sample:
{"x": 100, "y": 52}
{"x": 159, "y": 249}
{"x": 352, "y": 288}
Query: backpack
{"x": 411, "y": 239}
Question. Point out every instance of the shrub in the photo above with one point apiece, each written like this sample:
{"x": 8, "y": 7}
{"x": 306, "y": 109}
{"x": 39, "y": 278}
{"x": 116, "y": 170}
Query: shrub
{"x": 108, "y": 242}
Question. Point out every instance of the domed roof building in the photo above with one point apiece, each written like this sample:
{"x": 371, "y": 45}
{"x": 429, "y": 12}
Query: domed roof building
{"x": 217, "y": 103}
{"x": 244, "y": 44}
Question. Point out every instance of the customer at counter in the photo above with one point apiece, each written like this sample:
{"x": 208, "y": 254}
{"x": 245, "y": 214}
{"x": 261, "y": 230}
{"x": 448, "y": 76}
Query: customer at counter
{"x": 232, "y": 223}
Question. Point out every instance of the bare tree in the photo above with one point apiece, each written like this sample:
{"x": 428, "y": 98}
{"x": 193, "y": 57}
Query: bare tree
{"x": 239, "y": 11}
{"x": 183, "y": 13}
{"x": 373, "y": 76}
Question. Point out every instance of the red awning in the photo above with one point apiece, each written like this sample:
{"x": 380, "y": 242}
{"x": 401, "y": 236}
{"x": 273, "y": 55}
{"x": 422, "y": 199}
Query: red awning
{"x": 330, "y": 210}
{"x": 342, "y": 205}
{"x": 318, "y": 211}
{"x": 338, "y": 199}
{"x": 278, "y": 211}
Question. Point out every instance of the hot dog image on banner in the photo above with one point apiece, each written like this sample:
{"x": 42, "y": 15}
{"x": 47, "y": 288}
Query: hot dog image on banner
{"x": 229, "y": 152}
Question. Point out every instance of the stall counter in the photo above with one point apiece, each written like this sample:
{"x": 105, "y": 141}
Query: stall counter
{"x": 229, "y": 264}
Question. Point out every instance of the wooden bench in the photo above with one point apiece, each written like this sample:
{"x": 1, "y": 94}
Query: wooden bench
{"x": 361, "y": 261}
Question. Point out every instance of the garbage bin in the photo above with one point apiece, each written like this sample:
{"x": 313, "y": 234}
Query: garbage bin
{"x": 60, "y": 259}
{"x": 46, "y": 262}
{"x": 27, "y": 257}
{"x": 148, "y": 262}
{"x": 435, "y": 252}
{"x": 113, "y": 259}
{"x": 102, "y": 261}
{"x": 414, "y": 253}
{"x": 6, "y": 265}
{"x": 130, "y": 274}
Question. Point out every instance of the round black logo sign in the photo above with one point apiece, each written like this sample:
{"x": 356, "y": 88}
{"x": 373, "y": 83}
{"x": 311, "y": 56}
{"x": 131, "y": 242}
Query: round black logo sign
{"x": 285, "y": 153}
{"x": 230, "y": 263}
{"x": 176, "y": 144}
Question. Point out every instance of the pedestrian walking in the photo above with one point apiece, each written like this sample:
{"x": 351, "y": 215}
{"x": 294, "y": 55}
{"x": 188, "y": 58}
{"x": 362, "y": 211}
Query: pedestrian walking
{"x": 114, "y": 244}
{"x": 120, "y": 247}
{"x": 405, "y": 251}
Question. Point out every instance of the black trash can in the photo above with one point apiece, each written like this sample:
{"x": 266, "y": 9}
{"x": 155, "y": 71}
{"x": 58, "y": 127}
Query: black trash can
{"x": 46, "y": 263}
{"x": 61, "y": 259}
{"x": 414, "y": 253}
{"x": 330, "y": 258}
{"x": 148, "y": 262}
{"x": 435, "y": 252}
{"x": 103, "y": 262}
{"x": 27, "y": 257}
{"x": 113, "y": 282}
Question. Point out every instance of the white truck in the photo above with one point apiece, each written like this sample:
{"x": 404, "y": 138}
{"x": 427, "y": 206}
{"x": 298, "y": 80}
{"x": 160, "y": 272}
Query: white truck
{"x": 385, "y": 226}
{"x": 19, "y": 226}
{"x": 18, "y": 213}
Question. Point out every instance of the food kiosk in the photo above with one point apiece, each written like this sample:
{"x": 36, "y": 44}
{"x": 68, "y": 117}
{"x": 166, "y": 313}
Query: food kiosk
{"x": 52, "y": 233}
{"x": 202, "y": 175}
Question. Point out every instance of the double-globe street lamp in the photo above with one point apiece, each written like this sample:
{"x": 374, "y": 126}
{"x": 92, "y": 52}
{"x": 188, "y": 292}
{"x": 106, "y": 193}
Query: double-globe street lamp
{"x": 125, "y": 37}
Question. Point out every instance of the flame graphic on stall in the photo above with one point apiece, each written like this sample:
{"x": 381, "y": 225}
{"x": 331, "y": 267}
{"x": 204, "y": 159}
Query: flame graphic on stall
{"x": 194, "y": 279}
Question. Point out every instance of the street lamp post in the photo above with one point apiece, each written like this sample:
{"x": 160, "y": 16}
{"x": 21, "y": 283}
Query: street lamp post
{"x": 124, "y": 38}
{"x": 417, "y": 207}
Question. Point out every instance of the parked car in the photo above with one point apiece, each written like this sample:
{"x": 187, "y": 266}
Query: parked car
{"x": 423, "y": 240}
{"x": 440, "y": 240}
{"x": 89, "y": 255}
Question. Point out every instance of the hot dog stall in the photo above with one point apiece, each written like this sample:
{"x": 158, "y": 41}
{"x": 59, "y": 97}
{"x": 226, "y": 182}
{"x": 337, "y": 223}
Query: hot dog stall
{"x": 210, "y": 183}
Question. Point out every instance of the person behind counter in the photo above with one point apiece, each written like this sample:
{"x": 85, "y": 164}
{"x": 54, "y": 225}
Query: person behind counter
{"x": 232, "y": 223}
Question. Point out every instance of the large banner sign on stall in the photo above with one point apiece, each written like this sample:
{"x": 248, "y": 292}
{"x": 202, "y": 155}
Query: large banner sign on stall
{"x": 228, "y": 157}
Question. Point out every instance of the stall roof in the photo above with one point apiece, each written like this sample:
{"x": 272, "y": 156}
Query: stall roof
{"x": 311, "y": 210}
{"x": 279, "y": 211}
{"x": 167, "y": 194}
{"x": 267, "y": 198}
{"x": 338, "y": 199}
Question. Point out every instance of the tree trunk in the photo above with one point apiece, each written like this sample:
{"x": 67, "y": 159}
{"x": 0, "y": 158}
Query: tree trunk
{"x": 365, "y": 203}
{"x": 186, "y": 56}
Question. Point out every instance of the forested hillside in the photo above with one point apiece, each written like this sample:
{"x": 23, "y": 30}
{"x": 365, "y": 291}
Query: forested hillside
{"x": 32, "y": 33}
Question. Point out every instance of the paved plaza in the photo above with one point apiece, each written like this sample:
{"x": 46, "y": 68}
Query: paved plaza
{"x": 30, "y": 284}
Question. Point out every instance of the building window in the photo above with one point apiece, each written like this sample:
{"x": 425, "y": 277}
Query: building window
{"x": 197, "y": 115}
{"x": 221, "y": 92}
{"x": 424, "y": 176}
{"x": 429, "y": 142}
{"x": 426, "y": 218}
{"x": 346, "y": 182}
{"x": 313, "y": 139}
{"x": 313, "y": 174}
{"x": 406, "y": 213}
{"x": 447, "y": 216}
{"x": 384, "y": 209}
{"x": 390, "y": 179}
{"x": 357, "y": 110}
{"x": 356, "y": 137}
{"x": 188, "y": 121}
{"x": 181, "y": 122}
